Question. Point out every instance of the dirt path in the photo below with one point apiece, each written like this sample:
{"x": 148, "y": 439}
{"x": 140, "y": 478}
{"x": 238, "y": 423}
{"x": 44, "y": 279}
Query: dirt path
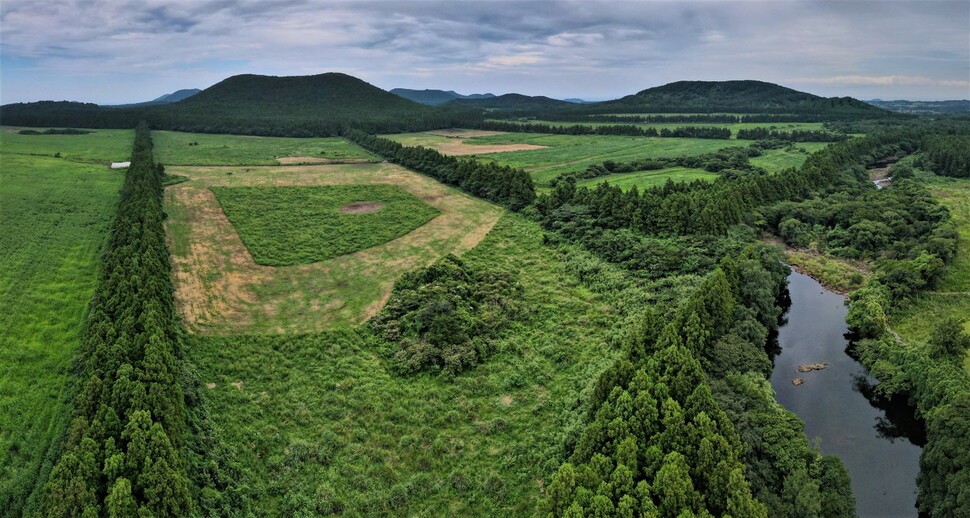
{"x": 221, "y": 290}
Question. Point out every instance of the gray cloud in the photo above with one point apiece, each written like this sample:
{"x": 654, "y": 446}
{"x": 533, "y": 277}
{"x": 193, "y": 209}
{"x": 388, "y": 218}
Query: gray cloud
{"x": 127, "y": 50}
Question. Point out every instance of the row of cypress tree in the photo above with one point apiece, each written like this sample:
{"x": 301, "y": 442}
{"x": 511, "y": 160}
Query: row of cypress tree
{"x": 123, "y": 454}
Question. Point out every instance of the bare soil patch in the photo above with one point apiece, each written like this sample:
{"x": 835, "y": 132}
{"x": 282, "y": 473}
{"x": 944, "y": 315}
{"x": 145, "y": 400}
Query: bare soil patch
{"x": 459, "y": 147}
{"x": 465, "y": 133}
{"x": 219, "y": 289}
{"x": 361, "y": 207}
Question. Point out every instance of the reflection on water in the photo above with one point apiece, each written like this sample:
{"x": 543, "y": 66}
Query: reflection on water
{"x": 877, "y": 438}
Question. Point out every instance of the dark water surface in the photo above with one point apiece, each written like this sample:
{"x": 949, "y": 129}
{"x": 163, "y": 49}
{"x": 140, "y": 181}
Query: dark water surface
{"x": 878, "y": 440}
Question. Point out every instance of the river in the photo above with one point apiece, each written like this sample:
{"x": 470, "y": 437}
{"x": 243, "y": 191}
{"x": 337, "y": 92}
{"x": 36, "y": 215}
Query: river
{"x": 878, "y": 440}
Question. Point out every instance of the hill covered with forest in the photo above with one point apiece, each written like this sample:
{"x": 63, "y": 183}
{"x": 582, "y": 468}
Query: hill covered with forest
{"x": 734, "y": 97}
{"x": 435, "y": 97}
{"x": 317, "y": 105}
{"x": 517, "y": 102}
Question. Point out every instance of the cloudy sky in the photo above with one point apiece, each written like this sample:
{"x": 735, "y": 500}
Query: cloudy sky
{"x": 115, "y": 51}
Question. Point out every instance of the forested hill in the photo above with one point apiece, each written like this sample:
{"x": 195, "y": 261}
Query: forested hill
{"x": 517, "y": 102}
{"x": 734, "y": 97}
{"x": 173, "y": 97}
{"x": 323, "y": 104}
{"x": 435, "y": 97}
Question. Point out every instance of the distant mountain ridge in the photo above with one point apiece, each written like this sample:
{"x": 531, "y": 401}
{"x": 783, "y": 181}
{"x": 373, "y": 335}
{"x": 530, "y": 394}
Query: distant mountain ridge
{"x": 745, "y": 96}
{"x": 435, "y": 97}
{"x": 511, "y": 102}
{"x": 173, "y": 97}
{"x": 942, "y": 107}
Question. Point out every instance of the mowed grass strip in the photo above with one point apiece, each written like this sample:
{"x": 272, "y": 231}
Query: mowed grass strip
{"x": 646, "y": 179}
{"x": 100, "y": 146}
{"x": 284, "y": 226}
{"x": 56, "y": 218}
{"x": 177, "y": 148}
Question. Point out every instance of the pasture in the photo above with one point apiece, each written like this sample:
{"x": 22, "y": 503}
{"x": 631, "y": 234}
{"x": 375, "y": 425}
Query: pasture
{"x": 100, "y": 146}
{"x": 177, "y": 148}
{"x": 734, "y": 127}
{"x": 647, "y": 179}
{"x": 220, "y": 288}
{"x": 57, "y": 215}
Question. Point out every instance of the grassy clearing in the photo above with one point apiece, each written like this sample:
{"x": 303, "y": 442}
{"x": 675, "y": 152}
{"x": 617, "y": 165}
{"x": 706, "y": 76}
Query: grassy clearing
{"x": 838, "y": 275}
{"x": 172, "y": 147}
{"x": 100, "y": 146}
{"x": 328, "y": 428}
{"x": 952, "y": 299}
{"x": 57, "y": 215}
{"x": 776, "y": 160}
{"x": 220, "y": 289}
{"x": 283, "y": 226}
{"x": 646, "y": 179}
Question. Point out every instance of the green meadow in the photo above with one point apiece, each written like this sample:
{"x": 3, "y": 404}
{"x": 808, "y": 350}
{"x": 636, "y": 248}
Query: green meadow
{"x": 99, "y": 146}
{"x": 178, "y": 148}
{"x": 57, "y": 216}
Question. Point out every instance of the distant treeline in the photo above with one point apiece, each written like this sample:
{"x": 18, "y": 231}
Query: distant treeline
{"x": 691, "y": 118}
{"x": 500, "y": 184}
{"x": 127, "y": 450}
{"x": 712, "y": 207}
{"x": 54, "y": 131}
{"x": 613, "y": 129}
{"x": 790, "y": 135}
{"x": 200, "y": 118}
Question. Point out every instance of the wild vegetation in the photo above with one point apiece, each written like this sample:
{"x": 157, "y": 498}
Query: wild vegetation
{"x": 284, "y": 226}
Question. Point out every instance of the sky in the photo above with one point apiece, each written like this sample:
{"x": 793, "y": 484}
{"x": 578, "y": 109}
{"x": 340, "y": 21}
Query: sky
{"x": 118, "y": 51}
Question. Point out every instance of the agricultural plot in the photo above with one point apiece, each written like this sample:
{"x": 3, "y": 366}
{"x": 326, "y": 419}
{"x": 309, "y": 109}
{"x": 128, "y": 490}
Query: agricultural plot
{"x": 221, "y": 289}
{"x": 57, "y": 216}
{"x": 328, "y": 428}
{"x": 177, "y": 148}
{"x": 784, "y": 126}
{"x": 458, "y": 142}
{"x": 99, "y": 146}
{"x": 283, "y": 226}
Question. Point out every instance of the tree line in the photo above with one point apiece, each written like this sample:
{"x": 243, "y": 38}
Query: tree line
{"x": 791, "y": 135}
{"x": 135, "y": 446}
{"x": 705, "y": 132}
{"x": 504, "y": 185}
{"x": 948, "y": 155}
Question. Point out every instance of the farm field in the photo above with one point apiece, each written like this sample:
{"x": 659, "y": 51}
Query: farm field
{"x": 647, "y": 179}
{"x": 220, "y": 288}
{"x": 99, "y": 146}
{"x": 57, "y": 215}
{"x": 330, "y": 428}
{"x": 177, "y": 148}
{"x": 952, "y": 297}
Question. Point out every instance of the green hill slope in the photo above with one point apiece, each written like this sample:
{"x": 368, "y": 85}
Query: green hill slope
{"x": 318, "y": 105}
{"x": 517, "y": 102}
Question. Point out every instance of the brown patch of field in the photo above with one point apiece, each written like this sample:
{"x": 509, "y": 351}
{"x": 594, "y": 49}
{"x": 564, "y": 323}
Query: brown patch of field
{"x": 287, "y": 160}
{"x": 361, "y": 207}
{"x": 221, "y": 290}
{"x": 459, "y": 147}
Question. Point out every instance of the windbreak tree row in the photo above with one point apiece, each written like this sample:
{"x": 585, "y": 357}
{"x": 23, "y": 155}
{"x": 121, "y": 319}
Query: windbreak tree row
{"x": 705, "y": 132}
{"x": 504, "y": 185}
{"x": 123, "y": 454}
{"x": 790, "y": 136}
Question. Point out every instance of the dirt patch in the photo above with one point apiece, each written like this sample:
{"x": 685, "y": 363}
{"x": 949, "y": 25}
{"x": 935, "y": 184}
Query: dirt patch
{"x": 237, "y": 384}
{"x": 210, "y": 385}
{"x": 505, "y": 400}
{"x": 221, "y": 290}
{"x": 458, "y": 147}
{"x": 361, "y": 207}
{"x": 287, "y": 160}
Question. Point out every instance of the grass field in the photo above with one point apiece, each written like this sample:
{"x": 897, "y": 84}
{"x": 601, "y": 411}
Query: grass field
{"x": 100, "y": 146}
{"x": 646, "y": 179}
{"x": 328, "y": 429}
{"x": 173, "y": 148}
{"x": 775, "y": 160}
{"x": 220, "y": 289}
{"x": 952, "y": 299}
{"x": 56, "y": 218}
{"x": 283, "y": 226}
